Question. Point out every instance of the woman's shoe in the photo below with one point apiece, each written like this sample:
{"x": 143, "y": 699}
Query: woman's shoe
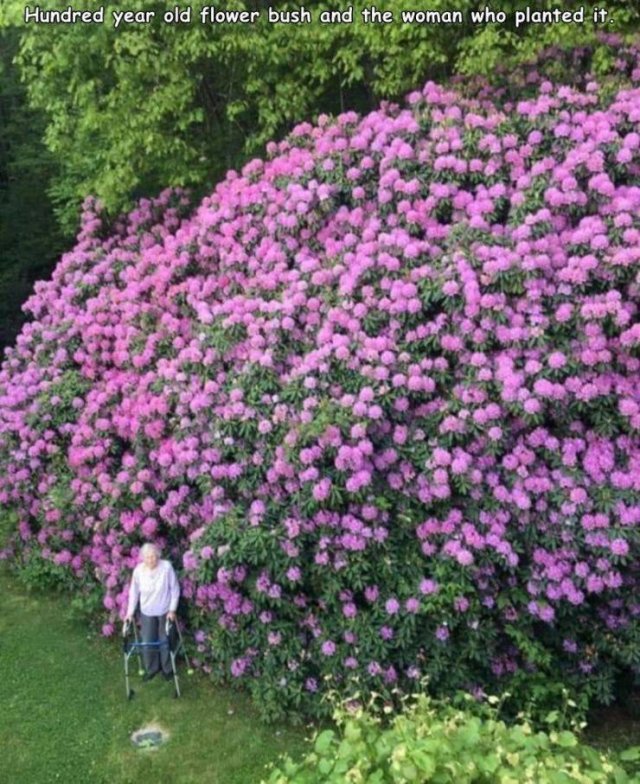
{"x": 148, "y": 676}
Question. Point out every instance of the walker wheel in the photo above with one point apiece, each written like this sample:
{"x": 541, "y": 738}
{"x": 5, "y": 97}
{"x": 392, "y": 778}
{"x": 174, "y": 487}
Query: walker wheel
{"x": 130, "y": 694}
{"x": 175, "y": 695}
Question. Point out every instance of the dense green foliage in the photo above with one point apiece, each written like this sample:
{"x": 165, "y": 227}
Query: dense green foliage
{"x": 138, "y": 108}
{"x": 124, "y": 113}
{"x": 30, "y": 240}
{"x": 437, "y": 742}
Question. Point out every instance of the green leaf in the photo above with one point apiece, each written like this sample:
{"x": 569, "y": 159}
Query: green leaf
{"x": 632, "y": 754}
{"x": 566, "y": 739}
{"x": 324, "y": 741}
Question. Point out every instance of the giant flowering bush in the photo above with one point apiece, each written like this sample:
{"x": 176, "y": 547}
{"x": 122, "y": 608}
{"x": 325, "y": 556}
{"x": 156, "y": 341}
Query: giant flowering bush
{"x": 378, "y": 395}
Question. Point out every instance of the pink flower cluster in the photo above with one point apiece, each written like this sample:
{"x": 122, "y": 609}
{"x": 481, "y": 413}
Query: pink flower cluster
{"x": 379, "y": 393}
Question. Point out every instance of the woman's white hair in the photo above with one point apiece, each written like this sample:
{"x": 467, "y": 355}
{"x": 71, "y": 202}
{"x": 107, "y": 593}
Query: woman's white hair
{"x": 149, "y": 547}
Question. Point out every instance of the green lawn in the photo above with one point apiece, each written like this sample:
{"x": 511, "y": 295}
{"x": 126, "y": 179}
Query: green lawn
{"x": 64, "y": 716}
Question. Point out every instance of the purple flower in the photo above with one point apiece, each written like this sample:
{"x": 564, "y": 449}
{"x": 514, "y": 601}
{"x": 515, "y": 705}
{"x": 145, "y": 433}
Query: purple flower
{"x": 392, "y": 606}
{"x": 428, "y": 587}
{"x": 239, "y": 667}
{"x": 371, "y": 593}
{"x": 349, "y": 610}
{"x": 328, "y": 648}
{"x": 461, "y": 603}
{"x": 619, "y": 547}
{"x": 546, "y": 613}
{"x": 442, "y": 633}
{"x": 274, "y": 638}
{"x": 412, "y": 605}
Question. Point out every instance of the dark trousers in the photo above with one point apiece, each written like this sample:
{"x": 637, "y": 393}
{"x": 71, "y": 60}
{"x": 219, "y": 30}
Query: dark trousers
{"x": 153, "y": 630}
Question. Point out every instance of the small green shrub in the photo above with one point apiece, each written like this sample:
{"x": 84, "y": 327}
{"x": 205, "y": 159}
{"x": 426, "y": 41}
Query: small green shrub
{"x": 38, "y": 573}
{"x": 547, "y": 702}
{"x": 437, "y": 741}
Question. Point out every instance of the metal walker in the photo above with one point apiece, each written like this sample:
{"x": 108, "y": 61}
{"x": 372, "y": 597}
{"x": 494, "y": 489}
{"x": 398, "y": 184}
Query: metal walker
{"x": 174, "y": 642}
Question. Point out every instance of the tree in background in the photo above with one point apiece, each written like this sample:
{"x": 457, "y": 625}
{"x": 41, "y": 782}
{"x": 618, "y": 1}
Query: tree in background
{"x": 133, "y": 110}
{"x": 30, "y": 239}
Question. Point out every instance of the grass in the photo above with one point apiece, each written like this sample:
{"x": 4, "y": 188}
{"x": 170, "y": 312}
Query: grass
{"x": 65, "y": 717}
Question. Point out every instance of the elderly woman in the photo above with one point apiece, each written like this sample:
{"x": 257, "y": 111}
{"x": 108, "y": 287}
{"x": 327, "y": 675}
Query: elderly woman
{"x": 155, "y": 584}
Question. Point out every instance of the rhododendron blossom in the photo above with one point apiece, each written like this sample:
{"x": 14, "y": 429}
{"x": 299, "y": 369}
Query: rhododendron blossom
{"x": 385, "y": 430}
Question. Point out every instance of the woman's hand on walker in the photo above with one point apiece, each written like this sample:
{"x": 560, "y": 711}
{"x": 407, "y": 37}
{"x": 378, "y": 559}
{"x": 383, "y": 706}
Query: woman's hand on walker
{"x": 171, "y": 616}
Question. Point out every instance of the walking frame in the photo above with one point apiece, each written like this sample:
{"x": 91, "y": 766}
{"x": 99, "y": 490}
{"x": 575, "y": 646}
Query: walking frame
{"x": 173, "y": 641}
